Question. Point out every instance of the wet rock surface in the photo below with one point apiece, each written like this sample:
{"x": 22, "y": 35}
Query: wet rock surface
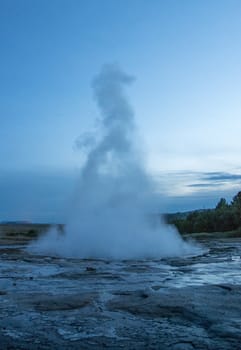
{"x": 179, "y": 303}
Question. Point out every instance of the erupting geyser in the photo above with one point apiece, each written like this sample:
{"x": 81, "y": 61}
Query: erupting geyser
{"x": 111, "y": 216}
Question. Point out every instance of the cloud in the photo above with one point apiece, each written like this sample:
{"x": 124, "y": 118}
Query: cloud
{"x": 221, "y": 176}
{"x": 204, "y": 185}
{"x": 188, "y": 183}
{"x": 215, "y": 179}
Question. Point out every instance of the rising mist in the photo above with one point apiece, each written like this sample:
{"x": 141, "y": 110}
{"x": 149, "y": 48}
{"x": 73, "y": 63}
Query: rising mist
{"x": 110, "y": 216}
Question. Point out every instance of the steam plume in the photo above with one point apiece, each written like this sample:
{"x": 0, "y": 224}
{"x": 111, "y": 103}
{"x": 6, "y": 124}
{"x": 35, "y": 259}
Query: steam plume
{"x": 111, "y": 218}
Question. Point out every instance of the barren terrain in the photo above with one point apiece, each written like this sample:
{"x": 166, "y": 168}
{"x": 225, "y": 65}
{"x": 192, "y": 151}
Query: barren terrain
{"x": 179, "y": 303}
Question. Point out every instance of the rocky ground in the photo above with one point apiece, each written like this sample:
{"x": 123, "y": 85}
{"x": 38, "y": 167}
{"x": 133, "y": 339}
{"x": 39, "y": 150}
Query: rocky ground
{"x": 182, "y": 303}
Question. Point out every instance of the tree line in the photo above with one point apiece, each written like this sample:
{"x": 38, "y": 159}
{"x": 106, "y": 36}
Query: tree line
{"x": 224, "y": 217}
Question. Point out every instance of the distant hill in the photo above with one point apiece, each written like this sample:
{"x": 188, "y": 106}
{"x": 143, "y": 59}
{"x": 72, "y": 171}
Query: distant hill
{"x": 224, "y": 217}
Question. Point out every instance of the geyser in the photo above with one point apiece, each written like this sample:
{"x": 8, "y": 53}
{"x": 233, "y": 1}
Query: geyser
{"x": 111, "y": 217}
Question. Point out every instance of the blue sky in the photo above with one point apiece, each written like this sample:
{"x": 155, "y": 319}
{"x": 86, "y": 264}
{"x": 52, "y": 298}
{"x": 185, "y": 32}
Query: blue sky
{"x": 186, "y": 57}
